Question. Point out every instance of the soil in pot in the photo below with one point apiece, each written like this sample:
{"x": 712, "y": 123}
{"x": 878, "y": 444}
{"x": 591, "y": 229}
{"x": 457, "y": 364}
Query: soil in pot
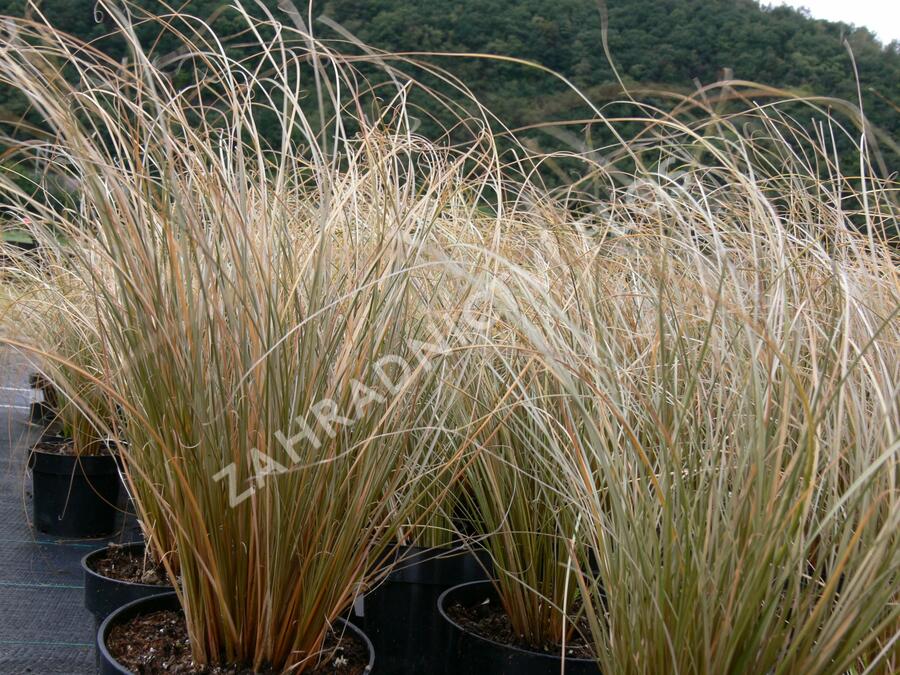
{"x": 401, "y": 614}
{"x": 488, "y": 620}
{"x": 74, "y": 496}
{"x": 127, "y": 562}
{"x": 481, "y": 639}
{"x": 156, "y": 641}
{"x": 118, "y": 574}
{"x": 54, "y": 444}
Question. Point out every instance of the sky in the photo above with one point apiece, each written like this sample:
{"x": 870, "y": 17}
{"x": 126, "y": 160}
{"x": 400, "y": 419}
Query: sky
{"x": 882, "y": 17}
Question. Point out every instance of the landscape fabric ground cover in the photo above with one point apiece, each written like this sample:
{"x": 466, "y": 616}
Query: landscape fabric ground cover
{"x": 44, "y": 627}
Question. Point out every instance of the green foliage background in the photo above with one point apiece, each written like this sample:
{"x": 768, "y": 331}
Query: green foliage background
{"x": 669, "y": 44}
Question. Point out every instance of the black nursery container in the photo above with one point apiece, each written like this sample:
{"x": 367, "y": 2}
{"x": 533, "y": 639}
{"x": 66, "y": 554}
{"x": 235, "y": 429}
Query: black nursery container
{"x": 103, "y": 595}
{"x": 43, "y": 411}
{"x": 169, "y": 601}
{"x": 74, "y": 496}
{"x": 466, "y": 652}
{"x": 401, "y": 614}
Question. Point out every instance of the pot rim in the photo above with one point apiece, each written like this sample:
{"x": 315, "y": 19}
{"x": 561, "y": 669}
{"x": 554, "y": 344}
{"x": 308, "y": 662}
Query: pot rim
{"x": 168, "y": 597}
{"x": 105, "y": 627}
{"x": 442, "y": 600}
{"x": 45, "y": 462}
{"x": 111, "y": 445}
{"x": 88, "y": 570}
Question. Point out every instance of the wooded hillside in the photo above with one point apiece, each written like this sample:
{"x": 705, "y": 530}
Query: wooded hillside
{"x": 671, "y": 44}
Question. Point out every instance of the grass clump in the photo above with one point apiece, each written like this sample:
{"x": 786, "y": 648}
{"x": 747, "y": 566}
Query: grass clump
{"x": 732, "y": 370}
{"x": 667, "y": 394}
{"x": 261, "y": 308}
{"x": 53, "y": 324}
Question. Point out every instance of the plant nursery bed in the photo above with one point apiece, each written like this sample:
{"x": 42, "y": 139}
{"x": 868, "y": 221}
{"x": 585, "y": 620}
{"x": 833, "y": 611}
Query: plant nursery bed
{"x": 488, "y": 620}
{"x": 44, "y": 626}
{"x": 123, "y": 563}
{"x": 157, "y": 642}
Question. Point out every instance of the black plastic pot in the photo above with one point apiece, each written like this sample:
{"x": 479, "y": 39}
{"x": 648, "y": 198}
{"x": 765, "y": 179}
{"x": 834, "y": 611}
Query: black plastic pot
{"x": 102, "y": 595}
{"x": 74, "y": 496}
{"x": 109, "y": 666}
{"x": 401, "y": 616}
{"x": 466, "y": 652}
{"x": 41, "y": 413}
{"x": 44, "y": 411}
{"x": 126, "y": 501}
